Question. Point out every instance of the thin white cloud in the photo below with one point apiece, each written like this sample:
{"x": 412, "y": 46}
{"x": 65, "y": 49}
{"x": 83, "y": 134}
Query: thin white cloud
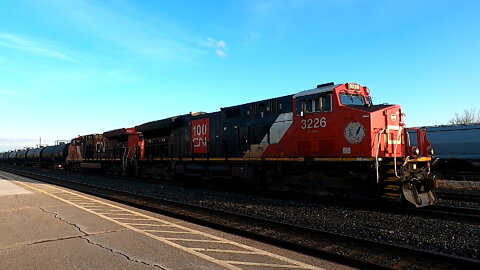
{"x": 132, "y": 33}
{"x": 219, "y": 46}
{"x": 29, "y": 45}
{"x": 221, "y": 53}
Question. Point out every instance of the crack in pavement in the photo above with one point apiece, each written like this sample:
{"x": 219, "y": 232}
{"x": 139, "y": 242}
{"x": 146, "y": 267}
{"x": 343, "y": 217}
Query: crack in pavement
{"x": 85, "y": 235}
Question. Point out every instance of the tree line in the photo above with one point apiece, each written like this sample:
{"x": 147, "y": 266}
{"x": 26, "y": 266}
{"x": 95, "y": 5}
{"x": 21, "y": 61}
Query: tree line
{"x": 467, "y": 117}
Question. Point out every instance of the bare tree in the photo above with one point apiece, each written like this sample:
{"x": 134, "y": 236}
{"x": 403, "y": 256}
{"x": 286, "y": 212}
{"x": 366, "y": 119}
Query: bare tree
{"x": 468, "y": 117}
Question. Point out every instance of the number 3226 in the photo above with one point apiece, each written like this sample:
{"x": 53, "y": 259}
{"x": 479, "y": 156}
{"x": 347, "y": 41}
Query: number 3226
{"x": 313, "y": 123}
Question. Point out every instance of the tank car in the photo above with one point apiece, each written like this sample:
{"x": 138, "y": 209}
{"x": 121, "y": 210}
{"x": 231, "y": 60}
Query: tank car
{"x": 11, "y": 156}
{"x": 327, "y": 140}
{"x": 20, "y": 157}
{"x": 54, "y": 156}
{"x": 33, "y": 156}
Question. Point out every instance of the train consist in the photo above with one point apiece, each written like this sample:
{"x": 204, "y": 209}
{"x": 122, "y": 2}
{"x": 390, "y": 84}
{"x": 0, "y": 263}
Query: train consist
{"x": 327, "y": 140}
{"x": 457, "y": 146}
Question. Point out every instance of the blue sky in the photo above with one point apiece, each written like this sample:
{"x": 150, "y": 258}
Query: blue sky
{"x": 79, "y": 67}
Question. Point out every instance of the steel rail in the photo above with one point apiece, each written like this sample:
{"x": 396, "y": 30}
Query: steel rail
{"x": 459, "y": 196}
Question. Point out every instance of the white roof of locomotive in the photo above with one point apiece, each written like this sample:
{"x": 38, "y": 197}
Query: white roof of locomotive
{"x": 318, "y": 90}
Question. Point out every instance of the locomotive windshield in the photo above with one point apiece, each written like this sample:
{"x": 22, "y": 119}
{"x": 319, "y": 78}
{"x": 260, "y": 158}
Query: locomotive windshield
{"x": 348, "y": 99}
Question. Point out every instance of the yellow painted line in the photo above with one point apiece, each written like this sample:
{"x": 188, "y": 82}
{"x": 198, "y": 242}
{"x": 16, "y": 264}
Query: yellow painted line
{"x": 294, "y": 159}
{"x": 227, "y": 159}
{"x": 225, "y": 251}
{"x": 95, "y": 208}
{"x": 284, "y": 159}
{"x": 159, "y": 231}
{"x": 117, "y": 214}
{"x": 134, "y": 218}
{"x": 161, "y": 239}
{"x": 196, "y": 240}
{"x": 295, "y": 264}
{"x": 146, "y": 224}
{"x": 421, "y": 159}
{"x": 344, "y": 159}
{"x": 265, "y": 264}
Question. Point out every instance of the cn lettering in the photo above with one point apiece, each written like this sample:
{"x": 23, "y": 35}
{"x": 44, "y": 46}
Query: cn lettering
{"x": 199, "y": 135}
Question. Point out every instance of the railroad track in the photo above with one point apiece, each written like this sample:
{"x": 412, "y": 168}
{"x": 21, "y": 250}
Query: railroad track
{"x": 343, "y": 249}
{"x": 459, "y": 176}
{"x": 452, "y": 213}
{"x": 459, "y": 196}
{"x": 455, "y": 213}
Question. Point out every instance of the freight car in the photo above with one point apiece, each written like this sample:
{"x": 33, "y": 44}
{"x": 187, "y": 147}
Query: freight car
{"x": 328, "y": 140}
{"x": 457, "y": 146}
{"x": 54, "y": 154}
{"x": 4, "y": 157}
{"x": 49, "y": 156}
{"x": 34, "y": 156}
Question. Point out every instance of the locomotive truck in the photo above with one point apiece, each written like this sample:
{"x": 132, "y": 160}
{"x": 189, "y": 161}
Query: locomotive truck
{"x": 328, "y": 140}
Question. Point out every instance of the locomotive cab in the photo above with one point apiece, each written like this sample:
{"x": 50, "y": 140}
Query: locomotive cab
{"x": 339, "y": 123}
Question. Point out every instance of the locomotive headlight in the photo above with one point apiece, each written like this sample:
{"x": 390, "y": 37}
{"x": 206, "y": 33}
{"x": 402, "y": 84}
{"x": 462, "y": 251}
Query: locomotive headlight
{"x": 431, "y": 152}
{"x": 416, "y": 151}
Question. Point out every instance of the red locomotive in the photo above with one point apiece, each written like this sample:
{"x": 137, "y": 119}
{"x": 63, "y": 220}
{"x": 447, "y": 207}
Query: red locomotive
{"x": 327, "y": 140}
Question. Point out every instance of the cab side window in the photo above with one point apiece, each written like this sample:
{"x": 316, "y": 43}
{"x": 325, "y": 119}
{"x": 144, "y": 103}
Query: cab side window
{"x": 308, "y": 106}
{"x": 315, "y": 104}
{"x": 327, "y": 103}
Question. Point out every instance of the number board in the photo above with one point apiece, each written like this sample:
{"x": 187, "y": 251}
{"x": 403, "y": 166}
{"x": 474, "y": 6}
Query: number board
{"x": 200, "y": 135}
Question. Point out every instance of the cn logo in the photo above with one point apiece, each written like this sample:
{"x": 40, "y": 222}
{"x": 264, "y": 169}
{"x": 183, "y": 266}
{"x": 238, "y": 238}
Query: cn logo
{"x": 200, "y": 135}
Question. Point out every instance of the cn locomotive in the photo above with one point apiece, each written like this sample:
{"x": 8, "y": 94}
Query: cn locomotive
{"x": 328, "y": 140}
